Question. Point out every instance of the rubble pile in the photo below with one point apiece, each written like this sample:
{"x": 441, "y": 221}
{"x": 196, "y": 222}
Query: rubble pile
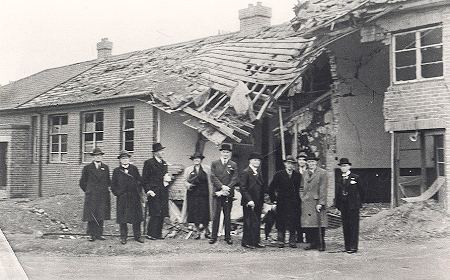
{"x": 410, "y": 221}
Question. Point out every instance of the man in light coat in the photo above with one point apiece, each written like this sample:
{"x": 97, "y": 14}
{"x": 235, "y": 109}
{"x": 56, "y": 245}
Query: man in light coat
{"x": 314, "y": 201}
{"x": 95, "y": 183}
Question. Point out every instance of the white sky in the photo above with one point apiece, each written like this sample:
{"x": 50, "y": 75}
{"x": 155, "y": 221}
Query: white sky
{"x": 36, "y": 35}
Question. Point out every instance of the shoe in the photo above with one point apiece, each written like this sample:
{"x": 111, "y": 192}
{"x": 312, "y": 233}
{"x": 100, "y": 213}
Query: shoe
{"x": 139, "y": 239}
{"x": 151, "y": 237}
{"x": 91, "y": 238}
{"x": 310, "y": 247}
{"x": 352, "y": 251}
{"x": 248, "y": 246}
{"x": 229, "y": 241}
{"x": 123, "y": 241}
{"x": 259, "y": 245}
{"x": 281, "y": 245}
{"x": 321, "y": 249}
{"x": 292, "y": 245}
{"x": 212, "y": 241}
{"x": 100, "y": 237}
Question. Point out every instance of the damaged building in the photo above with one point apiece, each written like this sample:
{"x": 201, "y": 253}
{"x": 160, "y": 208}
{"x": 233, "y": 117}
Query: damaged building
{"x": 359, "y": 79}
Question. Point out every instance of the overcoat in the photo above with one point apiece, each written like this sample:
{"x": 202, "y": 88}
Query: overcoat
{"x": 212, "y": 202}
{"x": 351, "y": 189}
{"x": 285, "y": 191}
{"x": 314, "y": 192}
{"x": 252, "y": 188}
{"x": 153, "y": 178}
{"x": 95, "y": 183}
{"x": 224, "y": 175}
{"x": 128, "y": 190}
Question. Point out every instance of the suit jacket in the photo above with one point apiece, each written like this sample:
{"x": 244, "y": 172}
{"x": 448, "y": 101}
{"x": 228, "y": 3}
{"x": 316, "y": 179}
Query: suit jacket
{"x": 285, "y": 191}
{"x": 128, "y": 190}
{"x": 315, "y": 192}
{"x": 349, "y": 192}
{"x": 224, "y": 175}
{"x": 252, "y": 187}
{"x": 95, "y": 184}
{"x": 153, "y": 178}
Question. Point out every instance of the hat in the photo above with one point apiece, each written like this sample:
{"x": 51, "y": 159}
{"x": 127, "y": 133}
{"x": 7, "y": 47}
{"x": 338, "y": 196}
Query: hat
{"x": 344, "y": 161}
{"x": 312, "y": 156}
{"x": 302, "y": 154}
{"x": 124, "y": 153}
{"x": 291, "y": 159}
{"x": 226, "y": 146}
{"x": 254, "y": 155}
{"x": 196, "y": 155}
{"x": 157, "y": 147}
{"x": 97, "y": 151}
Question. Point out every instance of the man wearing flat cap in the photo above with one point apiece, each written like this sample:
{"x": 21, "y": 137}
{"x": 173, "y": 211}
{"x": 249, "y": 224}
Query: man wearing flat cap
{"x": 314, "y": 201}
{"x": 95, "y": 183}
{"x": 284, "y": 191}
{"x": 127, "y": 187}
{"x": 224, "y": 176}
{"x": 156, "y": 188}
{"x": 252, "y": 188}
{"x": 348, "y": 200}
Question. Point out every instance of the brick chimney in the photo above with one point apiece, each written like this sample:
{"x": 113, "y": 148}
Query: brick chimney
{"x": 253, "y": 18}
{"x": 104, "y": 48}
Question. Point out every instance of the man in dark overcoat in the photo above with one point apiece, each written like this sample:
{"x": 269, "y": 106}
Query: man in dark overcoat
{"x": 348, "y": 199}
{"x": 153, "y": 173}
{"x": 252, "y": 188}
{"x": 302, "y": 169}
{"x": 95, "y": 183}
{"x": 314, "y": 200}
{"x": 224, "y": 177}
{"x": 127, "y": 187}
{"x": 284, "y": 191}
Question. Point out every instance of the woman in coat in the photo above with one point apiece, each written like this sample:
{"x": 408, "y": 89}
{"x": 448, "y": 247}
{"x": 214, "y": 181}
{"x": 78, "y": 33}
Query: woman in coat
{"x": 314, "y": 201}
{"x": 198, "y": 202}
{"x": 127, "y": 187}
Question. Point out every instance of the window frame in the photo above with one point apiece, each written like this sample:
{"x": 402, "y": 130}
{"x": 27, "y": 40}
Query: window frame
{"x": 60, "y": 135}
{"x": 417, "y": 47}
{"x": 85, "y": 155}
{"x": 124, "y": 130}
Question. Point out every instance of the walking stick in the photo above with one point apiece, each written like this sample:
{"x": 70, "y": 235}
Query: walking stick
{"x": 319, "y": 224}
{"x": 145, "y": 217}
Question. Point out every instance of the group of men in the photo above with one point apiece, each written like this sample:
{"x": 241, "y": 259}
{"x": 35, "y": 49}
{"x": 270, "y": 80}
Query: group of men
{"x": 298, "y": 196}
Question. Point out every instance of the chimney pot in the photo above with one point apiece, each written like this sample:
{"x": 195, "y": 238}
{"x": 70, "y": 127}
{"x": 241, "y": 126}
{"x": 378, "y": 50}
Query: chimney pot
{"x": 104, "y": 48}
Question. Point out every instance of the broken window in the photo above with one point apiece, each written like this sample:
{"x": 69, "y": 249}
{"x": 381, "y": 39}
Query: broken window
{"x": 418, "y": 54}
{"x": 92, "y": 133}
{"x": 58, "y": 129}
{"x": 128, "y": 129}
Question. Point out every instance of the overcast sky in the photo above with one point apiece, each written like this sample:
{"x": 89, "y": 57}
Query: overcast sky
{"x": 37, "y": 35}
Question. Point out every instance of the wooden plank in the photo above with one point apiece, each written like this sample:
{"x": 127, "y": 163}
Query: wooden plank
{"x": 261, "y": 91}
{"x": 268, "y": 45}
{"x": 257, "y": 50}
{"x": 244, "y": 71}
{"x": 283, "y": 147}
{"x": 266, "y": 57}
{"x": 246, "y": 60}
{"x": 202, "y": 107}
{"x": 221, "y": 100}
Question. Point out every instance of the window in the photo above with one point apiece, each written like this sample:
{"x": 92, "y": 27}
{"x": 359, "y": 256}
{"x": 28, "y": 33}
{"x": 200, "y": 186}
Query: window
{"x": 58, "y": 138}
{"x": 128, "y": 129}
{"x": 92, "y": 133}
{"x": 418, "y": 54}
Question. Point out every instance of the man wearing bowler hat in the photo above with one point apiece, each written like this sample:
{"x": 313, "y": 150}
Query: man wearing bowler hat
{"x": 252, "y": 188}
{"x": 284, "y": 191}
{"x": 348, "y": 200}
{"x": 314, "y": 201}
{"x": 224, "y": 176}
{"x": 95, "y": 183}
{"x": 155, "y": 186}
{"x": 127, "y": 187}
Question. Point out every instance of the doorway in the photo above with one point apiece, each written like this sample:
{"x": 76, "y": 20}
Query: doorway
{"x": 3, "y": 165}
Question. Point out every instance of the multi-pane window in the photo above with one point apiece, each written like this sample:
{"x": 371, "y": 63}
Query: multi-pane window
{"x": 418, "y": 54}
{"x": 92, "y": 133}
{"x": 128, "y": 129}
{"x": 58, "y": 138}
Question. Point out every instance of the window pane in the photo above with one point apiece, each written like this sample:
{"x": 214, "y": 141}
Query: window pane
{"x": 55, "y": 148}
{"x": 405, "y": 74}
{"x": 405, "y": 41}
{"x": 129, "y": 146}
{"x": 64, "y": 148}
{"x": 55, "y": 120}
{"x": 432, "y": 70}
{"x": 441, "y": 168}
{"x": 439, "y": 141}
{"x": 54, "y": 139}
{"x": 88, "y": 117}
{"x": 129, "y": 114}
{"x": 99, "y": 136}
{"x": 431, "y": 54}
{"x": 129, "y": 124}
{"x": 99, "y": 116}
{"x": 440, "y": 155}
{"x": 129, "y": 135}
{"x": 64, "y": 120}
{"x": 89, "y": 137}
{"x": 64, "y": 138}
{"x": 405, "y": 58}
{"x": 99, "y": 126}
{"x": 431, "y": 37}
{"x": 88, "y": 127}
{"x": 55, "y": 129}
